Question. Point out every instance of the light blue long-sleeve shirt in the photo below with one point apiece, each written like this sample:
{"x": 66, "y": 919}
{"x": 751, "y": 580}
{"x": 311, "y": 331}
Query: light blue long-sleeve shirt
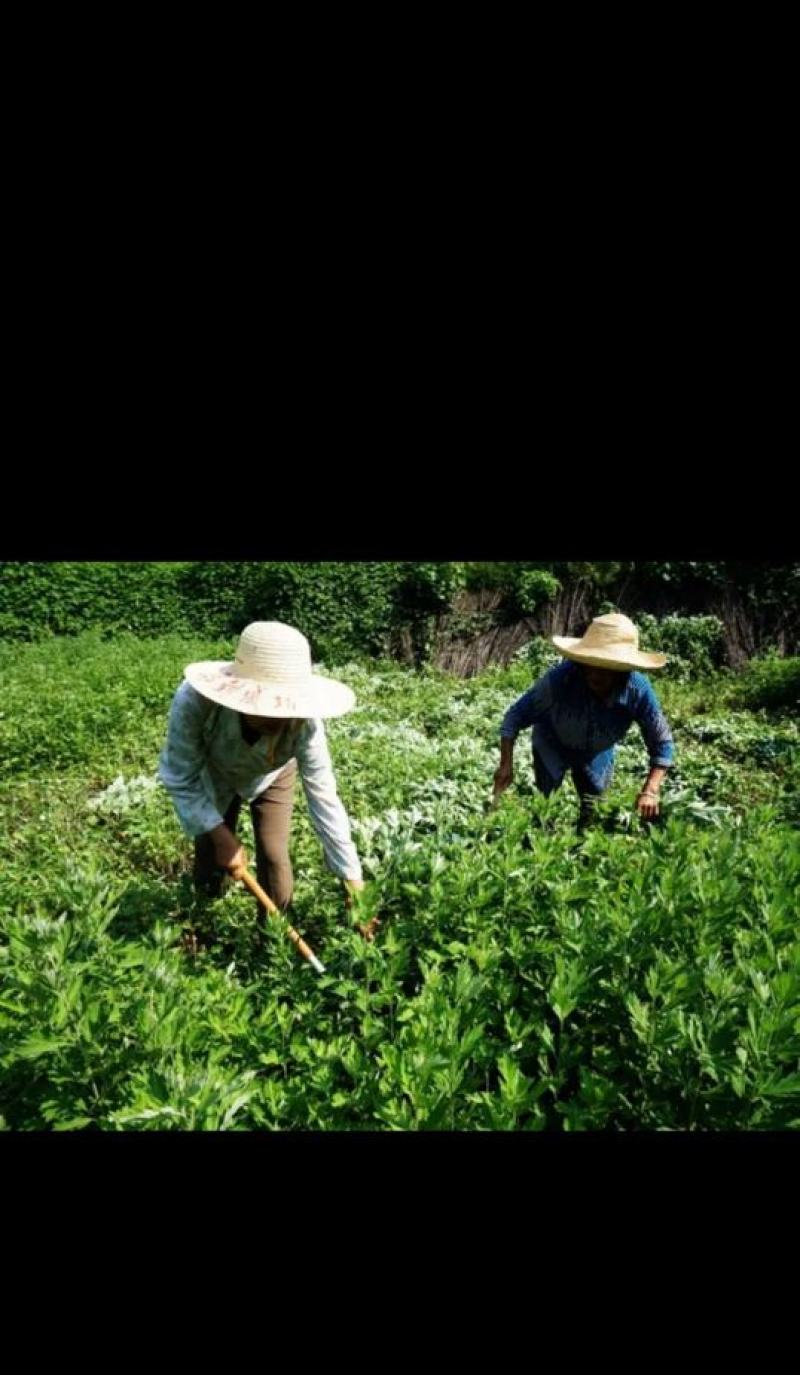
{"x": 206, "y": 762}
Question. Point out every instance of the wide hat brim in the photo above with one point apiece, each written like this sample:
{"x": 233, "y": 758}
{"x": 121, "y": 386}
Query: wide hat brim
{"x": 621, "y": 658}
{"x": 315, "y": 698}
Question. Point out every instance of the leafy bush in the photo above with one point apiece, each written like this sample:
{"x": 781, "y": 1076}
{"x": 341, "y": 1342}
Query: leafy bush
{"x": 343, "y": 608}
{"x": 66, "y": 598}
{"x": 427, "y": 587}
{"x": 349, "y": 608}
{"x": 525, "y": 586}
{"x": 772, "y": 683}
{"x": 496, "y": 576}
{"x": 539, "y": 655}
{"x": 530, "y": 588}
{"x": 694, "y": 645}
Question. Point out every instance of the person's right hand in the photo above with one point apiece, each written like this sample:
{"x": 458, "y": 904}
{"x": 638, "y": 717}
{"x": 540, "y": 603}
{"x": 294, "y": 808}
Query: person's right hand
{"x": 238, "y": 864}
{"x": 228, "y": 853}
{"x": 503, "y": 779}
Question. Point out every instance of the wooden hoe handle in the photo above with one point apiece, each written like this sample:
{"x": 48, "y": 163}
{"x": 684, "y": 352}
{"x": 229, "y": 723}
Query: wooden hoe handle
{"x": 294, "y": 936}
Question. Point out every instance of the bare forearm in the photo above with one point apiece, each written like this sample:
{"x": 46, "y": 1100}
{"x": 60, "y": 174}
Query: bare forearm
{"x": 654, "y": 780}
{"x": 647, "y": 802}
{"x": 504, "y": 776}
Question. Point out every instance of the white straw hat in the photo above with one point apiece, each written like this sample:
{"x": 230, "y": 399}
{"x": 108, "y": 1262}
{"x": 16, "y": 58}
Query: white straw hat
{"x": 610, "y": 642}
{"x": 271, "y": 676}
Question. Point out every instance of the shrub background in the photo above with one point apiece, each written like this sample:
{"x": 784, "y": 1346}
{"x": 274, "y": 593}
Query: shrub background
{"x": 702, "y": 615}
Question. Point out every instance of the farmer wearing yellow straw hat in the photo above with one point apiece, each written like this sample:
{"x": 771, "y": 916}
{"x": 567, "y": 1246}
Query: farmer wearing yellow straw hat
{"x": 581, "y": 709}
{"x": 242, "y": 731}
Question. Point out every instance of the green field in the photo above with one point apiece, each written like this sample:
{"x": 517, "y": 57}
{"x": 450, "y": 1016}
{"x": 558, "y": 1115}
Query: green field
{"x": 522, "y": 979}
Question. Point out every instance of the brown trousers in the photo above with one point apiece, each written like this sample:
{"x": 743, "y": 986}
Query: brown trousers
{"x": 271, "y": 815}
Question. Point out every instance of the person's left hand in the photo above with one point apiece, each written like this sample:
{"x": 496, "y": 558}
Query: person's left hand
{"x": 647, "y": 805}
{"x": 351, "y": 887}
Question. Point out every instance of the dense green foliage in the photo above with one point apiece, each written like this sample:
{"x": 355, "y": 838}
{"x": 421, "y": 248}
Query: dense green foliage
{"x": 65, "y": 598}
{"x": 522, "y": 978}
{"x": 342, "y": 607}
{"x": 355, "y": 608}
{"x": 694, "y": 645}
{"x": 524, "y": 586}
{"x": 771, "y": 683}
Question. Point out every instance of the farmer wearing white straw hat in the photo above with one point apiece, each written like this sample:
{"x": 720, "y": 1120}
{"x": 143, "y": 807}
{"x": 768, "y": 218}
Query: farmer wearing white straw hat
{"x": 581, "y": 709}
{"x": 241, "y": 731}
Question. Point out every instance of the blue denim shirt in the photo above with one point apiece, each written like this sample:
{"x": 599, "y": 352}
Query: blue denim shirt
{"x": 573, "y": 727}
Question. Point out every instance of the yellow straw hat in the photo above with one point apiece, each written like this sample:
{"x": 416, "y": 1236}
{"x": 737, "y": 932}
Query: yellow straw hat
{"x": 610, "y": 642}
{"x": 271, "y": 676}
